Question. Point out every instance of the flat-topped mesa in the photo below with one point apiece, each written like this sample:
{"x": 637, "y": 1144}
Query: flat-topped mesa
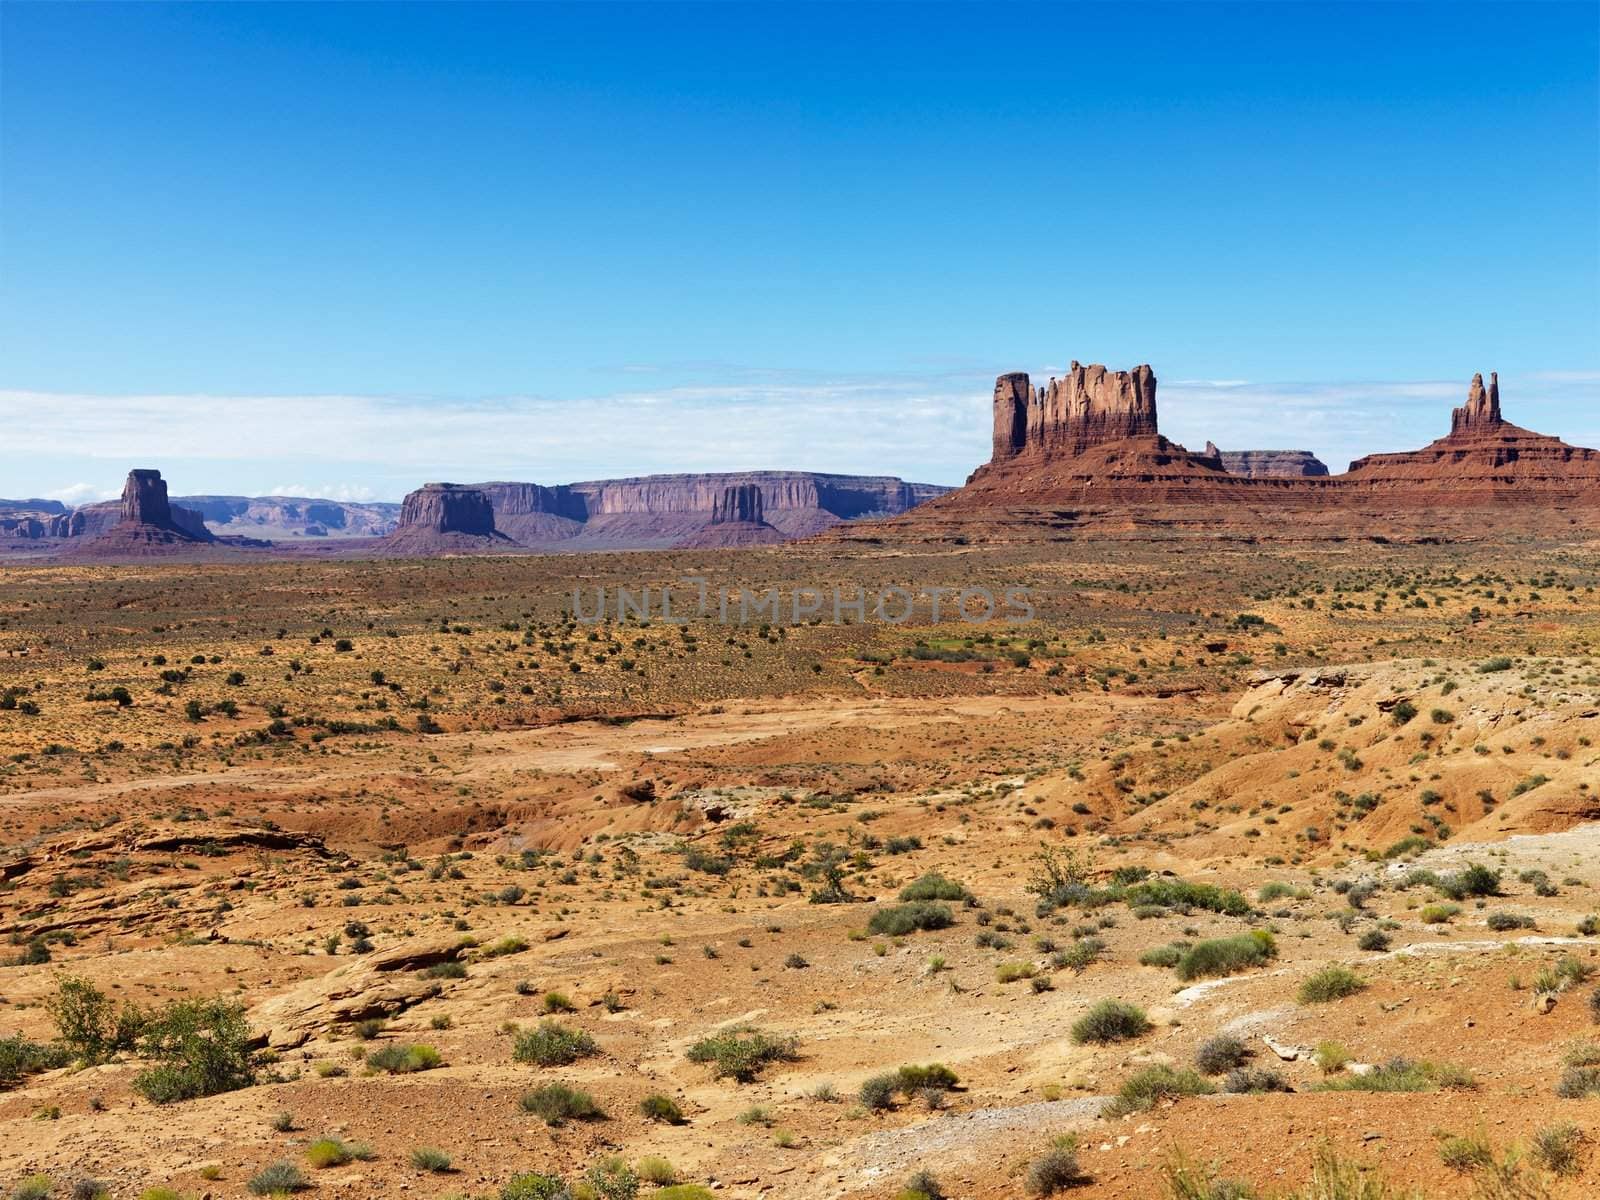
{"x": 1269, "y": 464}
{"x": 447, "y": 508}
{"x": 1088, "y": 406}
{"x": 1481, "y": 412}
{"x": 740, "y": 502}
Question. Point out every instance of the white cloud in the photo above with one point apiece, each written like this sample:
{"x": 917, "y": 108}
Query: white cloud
{"x": 80, "y": 493}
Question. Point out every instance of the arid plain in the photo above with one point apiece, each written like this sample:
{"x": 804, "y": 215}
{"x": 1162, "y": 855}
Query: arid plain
{"x": 805, "y": 910}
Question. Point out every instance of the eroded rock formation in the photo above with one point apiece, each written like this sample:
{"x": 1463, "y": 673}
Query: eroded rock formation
{"x": 445, "y": 518}
{"x": 1481, "y": 412}
{"x": 1088, "y": 406}
{"x": 147, "y": 522}
{"x": 737, "y": 520}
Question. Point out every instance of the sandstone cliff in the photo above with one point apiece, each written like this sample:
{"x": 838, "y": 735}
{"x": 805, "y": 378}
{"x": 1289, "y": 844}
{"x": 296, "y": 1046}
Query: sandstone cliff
{"x": 737, "y": 520}
{"x": 1089, "y": 406}
{"x": 1269, "y": 464}
{"x": 147, "y": 523}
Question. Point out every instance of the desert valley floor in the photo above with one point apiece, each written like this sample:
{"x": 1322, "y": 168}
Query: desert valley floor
{"x": 802, "y": 911}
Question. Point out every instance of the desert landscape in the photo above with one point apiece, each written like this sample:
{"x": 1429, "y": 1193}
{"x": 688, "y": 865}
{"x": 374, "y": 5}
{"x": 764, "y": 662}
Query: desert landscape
{"x": 1257, "y": 859}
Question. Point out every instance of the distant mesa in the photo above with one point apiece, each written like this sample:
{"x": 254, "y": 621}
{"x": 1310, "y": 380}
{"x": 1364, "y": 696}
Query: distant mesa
{"x": 445, "y": 518}
{"x": 1269, "y": 464}
{"x": 737, "y": 520}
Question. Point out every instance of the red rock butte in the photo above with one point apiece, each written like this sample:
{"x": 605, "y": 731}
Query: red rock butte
{"x": 1086, "y": 449}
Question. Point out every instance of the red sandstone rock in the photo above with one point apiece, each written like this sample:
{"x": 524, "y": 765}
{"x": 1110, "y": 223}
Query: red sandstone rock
{"x": 445, "y": 518}
{"x": 736, "y": 520}
{"x": 1269, "y": 464}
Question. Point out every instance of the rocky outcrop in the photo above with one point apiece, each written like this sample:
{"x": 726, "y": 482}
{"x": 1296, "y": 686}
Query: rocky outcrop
{"x": 50, "y": 508}
{"x": 739, "y": 503}
{"x": 445, "y": 518}
{"x": 1089, "y": 406}
{"x": 1269, "y": 464}
{"x": 147, "y": 522}
{"x": 1481, "y": 412}
{"x": 660, "y": 511}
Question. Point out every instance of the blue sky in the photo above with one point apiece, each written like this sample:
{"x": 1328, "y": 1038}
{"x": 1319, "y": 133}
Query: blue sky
{"x": 344, "y": 248}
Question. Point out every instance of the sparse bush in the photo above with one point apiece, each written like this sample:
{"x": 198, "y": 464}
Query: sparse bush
{"x": 657, "y": 1107}
{"x": 1226, "y": 956}
{"x": 934, "y": 886}
{"x": 1221, "y": 1053}
{"x": 202, "y": 1048}
{"x": 900, "y": 919}
{"x": 1110, "y": 1021}
{"x": 20, "y": 1058}
{"x": 1465, "y": 1153}
{"x": 1404, "y": 1075}
{"x": 656, "y": 1170}
{"x": 1331, "y": 1057}
{"x": 878, "y": 1092}
{"x": 1243, "y": 1080}
{"x": 1577, "y": 1082}
{"x": 1146, "y": 1087}
{"x": 327, "y": 1152}
{"x": 552, "y": 1044}
{"x": 1500, "y": 922}
{"x": 1438, "y": 914}
{"x": 1162, "y": 956}
{"x": 1055, "y": 1170}
{"x": 1558, "y": 1148}
{"x": 404, "y": 1060}
{"x": 556, "y": 1104}
{"x": 426, "y": 1158}
{"x": 534, "y": 1186}
{"x": 276, "y": 1179}
{"x": 1375, "y": 940}
{"x": 742, "y": 1052}
{"x": 1330, "y": 983}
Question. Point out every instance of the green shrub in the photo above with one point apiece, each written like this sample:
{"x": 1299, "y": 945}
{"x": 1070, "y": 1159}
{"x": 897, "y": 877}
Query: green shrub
{"x": 202, "y": 1048}
{"x": 327, "y": 1152}
{"x": 556, "y": 1104}
{"x": 89, "y": 1023}
{"x": 1578, "y": 1082}
{"x": 1227, "y": 956}
{"x": 1110, "y": 1021}
{"x": 534, "y": 1186}
{"x": 1055, "y": 1170}
{"x": 878, "y": 1092}
{"x": 657, "y": 1107}
{"x": 1375, "y": 940}
{"x": 552, "y": 1044}
{"x": 934, "y": 886}
{"x": 1558, "y": 1148}
{"x": 1330, "y": 983}
{"x": 276, "y": 1179}
{"x": 1473, "y": 880}
{"x": 658, "y": 1171}
{"x": 1438, "y": 914}
{"x": 742, "y": 1052}
{"x": 900, "y": 919}
{"x": 1162, "y": 956}
{"x": 1403, "y": 1075}
{"x": 1150, "y": 1085}
{"x": 1253, "y": 1080}
{"x": 20, "y": 1058}
{"x": 684, "y": 1191}
{"x": 1221, "y": 1053}
{"x": 1465, "y": 1153}
{"x": 400, "y": 1059}
{"x": 426, "y": 1158}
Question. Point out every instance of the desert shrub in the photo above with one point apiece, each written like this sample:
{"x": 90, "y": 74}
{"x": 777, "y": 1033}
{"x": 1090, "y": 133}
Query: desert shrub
{"x": 1404, "y": 1075}
{"x": 202, "y": 1048}
{"x": 1331, "y": 1057}
{"x": 1162, "y": 956}
{"x": 1242, "y": 1080}
{"x": 1146, "y": 1087}
{"x": 1010, "y": 972}
{"x": 426, "y": 1158}
{"x": 278, "y": 1178}
{"x": 742, "y": 1052}
{"x": 878, "y": 1092}
{"x": 534, "y": 1186}
{"x": 934, "y": 1075}
{"x": 1080, "y": 955}
{"x": 1501, "y": 921}
{"x": 1375, "y": 940}
{"x": 552, "y": 1044}
{"x": 1465, "y": 1153}
{"x": 656, "y": 1170}
{"x": 899, "y": 919}
{"x": 1221, "y": 1053}
{"x": 1226, "y": 956}
{"x": 1274, "y": 891}
{"x": 1490, "y": 665}
{"x": 1055, "y": 1170}
{"x": 684, "y": 1191}
{"x": 1176, "y": 893}
{"x": 657, "y": 1107}
{"x": 556, "y": 1104}
{"x": 1330, "y": 983}
{"x": 1577, "y": 1082}
{"x": 934, "y": 886}
{"x": 20, "y": 1058}
{"x": 1472, "y": 880}
{"x": 404, "y": 1060}
{"x": 1110, "y": 1021}
{"x": 89, "y": 1023}
{"x": 1557, "y": 1148}
{"x": 1186, "y": 1181}
{"x": 90, "y": 1189}
{"x": 446, "y": 970}
{"x": 1438, "y": 914}
{"x": 327, "y": 1152}
{"x": 922, "y": 1185}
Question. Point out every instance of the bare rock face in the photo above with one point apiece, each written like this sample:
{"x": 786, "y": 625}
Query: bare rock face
{"x": 736, "y": 520}
{"x": 1481, "y": 412}
{"x": 1089, "y": 406}
{"x": 445, "y": 518}
{"x": 1269, "y": 464}
{"x": 742, "y": 502}
{"x": 144, "y": 498}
